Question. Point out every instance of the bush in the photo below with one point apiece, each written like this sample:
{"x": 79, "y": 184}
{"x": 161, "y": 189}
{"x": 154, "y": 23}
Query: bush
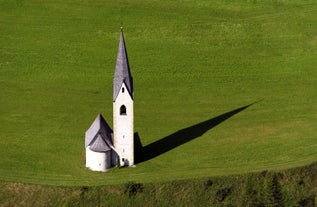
{"x": 272, "y": 191}
{"x": 248, "y": 193}
{"x": 221, "y": 195}
{"x": 208, "y": 183}
{"x": 132, "y": 188}
{"x": 307, "y": 202}
{"x": 83, "y": 190}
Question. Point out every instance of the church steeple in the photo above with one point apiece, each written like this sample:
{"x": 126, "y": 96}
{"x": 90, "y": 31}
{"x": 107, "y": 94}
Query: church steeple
{"x": 122, "y": 72}
{"x": 123, "y": 118}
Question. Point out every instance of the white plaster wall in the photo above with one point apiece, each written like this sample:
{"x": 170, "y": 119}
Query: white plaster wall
{"x": 123, "y": 128}
{"x": 98, "y": 161}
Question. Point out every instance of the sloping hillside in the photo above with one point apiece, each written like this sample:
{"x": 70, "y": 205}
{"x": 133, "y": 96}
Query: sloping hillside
{"x": 221, "y": 88}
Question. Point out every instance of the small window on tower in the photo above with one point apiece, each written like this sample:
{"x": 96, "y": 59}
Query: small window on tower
{"x": 123, "y": 110}
{"x": 122, "y": 90}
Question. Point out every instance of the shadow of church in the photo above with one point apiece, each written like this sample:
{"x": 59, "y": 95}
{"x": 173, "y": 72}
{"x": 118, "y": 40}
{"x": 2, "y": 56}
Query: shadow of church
{"x": 180, "y": 137}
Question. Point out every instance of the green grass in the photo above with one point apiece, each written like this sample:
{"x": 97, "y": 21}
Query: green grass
{"x": 191, "y": 61}
{"x": 291, "y": 187}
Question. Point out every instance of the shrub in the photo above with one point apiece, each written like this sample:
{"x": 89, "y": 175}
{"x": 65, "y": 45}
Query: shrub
{"x": 248, "y": 193}
{"x": 272, "y": 191}
{"x": 221, "y": 195}
{"x": 132, "y": 188}
{"x": 208, "y": 183}
{"x": 83, "y": 190}
{"x": 307, "y": 202}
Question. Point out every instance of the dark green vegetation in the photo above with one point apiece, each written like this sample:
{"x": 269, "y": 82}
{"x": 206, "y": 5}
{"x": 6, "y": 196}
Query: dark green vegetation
{"x": 191, "y": 61}
{"x": 295, "y": 187}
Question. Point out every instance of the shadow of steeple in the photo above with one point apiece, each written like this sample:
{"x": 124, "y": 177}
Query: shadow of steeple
{"x": 180, "y": 137}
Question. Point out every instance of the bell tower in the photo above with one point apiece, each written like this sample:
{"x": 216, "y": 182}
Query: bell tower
{"x": 123, "y": 129}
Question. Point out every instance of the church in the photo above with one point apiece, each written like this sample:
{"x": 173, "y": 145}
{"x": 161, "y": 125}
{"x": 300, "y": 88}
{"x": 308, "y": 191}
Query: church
{"x": 105, "y": 147}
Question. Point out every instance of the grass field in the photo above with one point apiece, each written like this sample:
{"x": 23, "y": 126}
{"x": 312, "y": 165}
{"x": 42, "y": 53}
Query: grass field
{"x": 191, "y": 61}
{"x": 291, "y": 187}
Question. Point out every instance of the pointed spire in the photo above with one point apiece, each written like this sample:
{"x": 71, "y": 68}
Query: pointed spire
{"x": 122, "y": 72}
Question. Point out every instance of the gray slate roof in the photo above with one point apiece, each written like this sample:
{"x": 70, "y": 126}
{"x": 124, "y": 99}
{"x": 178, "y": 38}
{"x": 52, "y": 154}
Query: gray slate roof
{"x": 99, "y": 135}
{"x": 122, "y": 72}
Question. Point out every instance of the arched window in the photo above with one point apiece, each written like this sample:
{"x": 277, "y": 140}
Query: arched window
{"x": 123, "y": 110}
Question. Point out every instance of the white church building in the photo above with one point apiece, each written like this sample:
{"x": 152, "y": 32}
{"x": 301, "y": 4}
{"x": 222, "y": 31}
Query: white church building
{"x": 105, "y": 147}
